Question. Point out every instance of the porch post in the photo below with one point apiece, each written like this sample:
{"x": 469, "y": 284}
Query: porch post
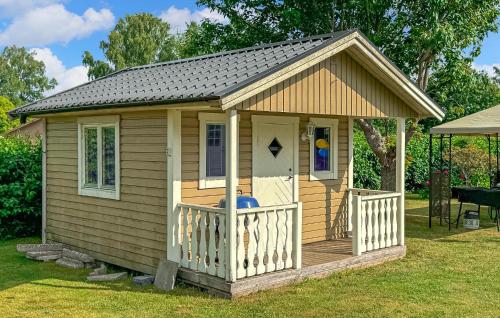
{"x": 231, "y": 181}
{"x": 173, "y": 184}
{"x": 350, "y": 176}
{"x": 400, "y": 178}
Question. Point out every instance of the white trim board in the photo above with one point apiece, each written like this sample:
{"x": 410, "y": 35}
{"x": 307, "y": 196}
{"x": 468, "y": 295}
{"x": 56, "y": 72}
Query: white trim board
{"x": 333, "y": 125}
{"x": 98, "y": 122}
{"x": 205, "y": 182}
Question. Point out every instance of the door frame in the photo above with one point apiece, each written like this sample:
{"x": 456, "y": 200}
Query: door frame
{"x": 257, "y": 120}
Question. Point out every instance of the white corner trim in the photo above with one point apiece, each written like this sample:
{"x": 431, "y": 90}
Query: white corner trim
{"x": 98, "y": 122}
{"x": 205, "y": 182}
{"x": 44, "y": 181}
{"x": 333, "y": 124}
{"x": 174, "y": 183}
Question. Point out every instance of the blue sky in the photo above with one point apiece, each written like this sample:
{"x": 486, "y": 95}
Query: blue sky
{"x": 60, "y": 30}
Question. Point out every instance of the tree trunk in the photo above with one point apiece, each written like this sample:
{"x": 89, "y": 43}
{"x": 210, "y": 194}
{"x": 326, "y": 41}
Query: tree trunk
{"x": 388, "y": 177}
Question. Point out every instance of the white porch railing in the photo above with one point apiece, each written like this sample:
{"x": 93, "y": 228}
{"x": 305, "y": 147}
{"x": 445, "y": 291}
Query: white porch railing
{"x": 375, "y": 216}
{"x": 268, "y": 239}
{"x": 203, "y": 238}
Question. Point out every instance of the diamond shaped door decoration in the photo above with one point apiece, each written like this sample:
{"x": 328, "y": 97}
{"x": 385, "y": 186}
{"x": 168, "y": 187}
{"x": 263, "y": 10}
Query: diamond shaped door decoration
{"x": 275, "y": 147}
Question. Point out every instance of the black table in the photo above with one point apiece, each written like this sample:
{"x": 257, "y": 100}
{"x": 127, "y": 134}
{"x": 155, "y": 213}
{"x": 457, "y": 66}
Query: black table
{"x": 479, "y": 196}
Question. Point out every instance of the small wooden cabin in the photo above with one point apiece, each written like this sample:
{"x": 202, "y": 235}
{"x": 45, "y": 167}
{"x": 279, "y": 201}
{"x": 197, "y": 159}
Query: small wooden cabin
{"x": 136, "y": 163}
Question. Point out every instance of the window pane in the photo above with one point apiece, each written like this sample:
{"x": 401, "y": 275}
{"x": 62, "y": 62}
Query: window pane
{"x": 90, "y": 156}
{"x": 216, "y": 152}
{"x": 108, "y": 156}
{"x": 322, "y": 149}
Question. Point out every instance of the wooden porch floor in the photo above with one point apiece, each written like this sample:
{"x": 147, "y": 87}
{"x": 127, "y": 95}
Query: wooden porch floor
{"x": 326, "y": 252}
{"x": 318, "y": 260}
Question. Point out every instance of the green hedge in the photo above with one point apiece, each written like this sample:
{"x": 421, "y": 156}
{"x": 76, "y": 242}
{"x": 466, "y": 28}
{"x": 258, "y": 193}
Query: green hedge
{"x": 20, "y": 187}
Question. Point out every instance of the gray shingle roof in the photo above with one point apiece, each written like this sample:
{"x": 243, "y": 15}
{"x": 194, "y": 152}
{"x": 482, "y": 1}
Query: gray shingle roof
{"x": 200, "y": 78}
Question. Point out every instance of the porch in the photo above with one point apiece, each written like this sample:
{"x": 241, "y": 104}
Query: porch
{"x": 320, "y": 259}
{"x": 234, "y": 251}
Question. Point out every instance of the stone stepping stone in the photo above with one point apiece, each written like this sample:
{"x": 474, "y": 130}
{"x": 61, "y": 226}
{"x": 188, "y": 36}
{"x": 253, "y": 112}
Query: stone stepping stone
{"x": 143, "y": 280}
{"x": 82, "y": 257}
{"x": 44, "y": 255}
{"x": 107, "y": 277}
{"x": 70, "y": 263}
{"x": 23, "y": 248}
{"x": 101, "y": 270}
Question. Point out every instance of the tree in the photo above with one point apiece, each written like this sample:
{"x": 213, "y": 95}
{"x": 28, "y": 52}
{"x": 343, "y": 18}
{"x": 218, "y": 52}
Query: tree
{"x": 461, "y": 90}
{"x": 5, "y": 122}
{"x": 497, "y": 75}
{"x": 420, "y": 36}
{"x": 135, "y": 40}
{"x": 471, "y": 162}
{"x": 22, "y": 78}
{"x": 198, "y": 39}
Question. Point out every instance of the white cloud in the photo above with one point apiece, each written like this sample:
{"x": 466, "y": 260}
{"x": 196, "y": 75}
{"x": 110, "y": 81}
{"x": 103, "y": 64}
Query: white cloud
{"x": 54, "y": 24}
{"x": 12, "y": 8}
{"x": 178, "y": 18}
{"x": 488, "y": 68}
{"x": 54, "y": 68}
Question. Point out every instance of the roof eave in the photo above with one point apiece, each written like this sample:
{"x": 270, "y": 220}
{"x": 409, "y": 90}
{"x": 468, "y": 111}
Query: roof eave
{"x": 214, "y": 101}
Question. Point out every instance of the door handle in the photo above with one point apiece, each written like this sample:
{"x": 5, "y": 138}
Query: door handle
{"x": 290, "y": 175}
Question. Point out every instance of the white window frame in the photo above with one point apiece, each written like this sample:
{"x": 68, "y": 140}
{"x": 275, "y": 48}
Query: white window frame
{"x": 333, "y": 125}
{"x": 98, "y": 122}
{"x": 205, "y": 182}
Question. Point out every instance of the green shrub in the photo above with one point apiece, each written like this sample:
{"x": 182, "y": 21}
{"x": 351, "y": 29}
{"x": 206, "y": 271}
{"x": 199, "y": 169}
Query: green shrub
{"x": 20, "y": 187}
{"x": 366, "y": 165}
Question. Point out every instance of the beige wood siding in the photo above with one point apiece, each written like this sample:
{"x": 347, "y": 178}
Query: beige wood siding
{"x": 324, "y": 210}
{"x": 129, "y": 232}
{"x": 336, "y": 86}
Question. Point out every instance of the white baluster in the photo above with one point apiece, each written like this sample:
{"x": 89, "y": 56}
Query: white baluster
{"x": 185, "y": 238}
{"x": 363, "y": 226}
{"x": 202, "y": 264}
{"x": 271, "y": 240}
{"x": 262, "y": 242}
{"x": 221, "y": 271}
{"x": 383, "y": 211}
{"x": 194, "y": 239}
{"x": 369, "y": 226}
{"x": 252, "y": 244}
{"x": 211, "y": 244}
{"x": 388, "y": 207}
{"x": 289, "y": 239}
{"x": 376, "y": 224}
{"x": 281, "y": 237}
{"x": 394, "y": 221}
{"x": 240, "y": 246}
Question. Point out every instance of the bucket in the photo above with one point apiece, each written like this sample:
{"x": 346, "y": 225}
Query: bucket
{"x": 471, "y": 220}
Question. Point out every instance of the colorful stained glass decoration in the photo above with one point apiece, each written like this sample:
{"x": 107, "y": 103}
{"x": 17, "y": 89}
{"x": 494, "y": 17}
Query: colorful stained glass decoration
{"x": 322, "y": 149}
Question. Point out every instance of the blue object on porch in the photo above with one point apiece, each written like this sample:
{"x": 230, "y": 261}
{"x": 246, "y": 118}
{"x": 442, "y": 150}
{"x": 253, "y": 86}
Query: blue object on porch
{"x": 242, "y": 202}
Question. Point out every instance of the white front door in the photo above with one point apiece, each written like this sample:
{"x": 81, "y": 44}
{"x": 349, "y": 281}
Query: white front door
{"x": 273, "y": 159}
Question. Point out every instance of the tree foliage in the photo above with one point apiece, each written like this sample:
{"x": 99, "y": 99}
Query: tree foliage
{"x": 22, "y": 78}
{"x": 461, "y": 90}
{"x": 419, "y": 36}
{"x": 135, "y": 40}
{"x": 5, "y": 122}
{"x": 20, "y": 187}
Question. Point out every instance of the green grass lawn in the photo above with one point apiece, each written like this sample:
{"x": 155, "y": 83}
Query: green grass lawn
{"x": 453, "y": 274}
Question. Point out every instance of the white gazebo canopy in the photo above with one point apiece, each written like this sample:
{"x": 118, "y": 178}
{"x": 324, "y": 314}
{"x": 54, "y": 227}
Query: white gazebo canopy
{"x": 485, "y": 122}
